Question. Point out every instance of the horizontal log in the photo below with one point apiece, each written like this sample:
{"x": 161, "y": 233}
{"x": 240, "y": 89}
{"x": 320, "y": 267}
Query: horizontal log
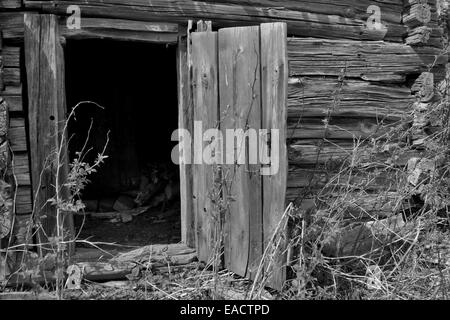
{"x": 315, "y": 96}
{"x": 23, "y": 200}
{"x": 391, "y": 10}
{"x": 92, "y": 254}
{"x": 123, "y": 264}
{"x": 354, "y": 205}
{"x": 21, "y": 169}
{"x": 104, "y": 271}
{"x": 10, "y": 4}
{"x": 14, "y": 102}
{"x": 371, "y": 61}
{"x": 12, "y": 25}
{"x": 295, "y": 195}
{"x": 435, "y": 42}
{"x": 11, "y": 91}
{"x": 10, "y": 56}
{"x": 367, "y": 240}
{"x": 337, "y": 128}
{"x": 361, "y": 206}
{"x": 13, "y": 97}
{"x": 305, "y": 152}
{"x": 429, "y": 35}
{"x": 153, "y": 37}
{"x": 366, "y": 206}
{"x": 418, "y": 36}
{"x": 159, "y": 254}
{"x": 119, "y": 25}
{"x": 93, "y": 271}
{"x": 316, "y": 179}
{"x": 17, "y": 135}
{"x": 11, "y": 76}
{"x": 226, "y": 15}
{"x": 175, "y": 269}
{"x": 302, "y": 152}
{"x": 118, "y": 29}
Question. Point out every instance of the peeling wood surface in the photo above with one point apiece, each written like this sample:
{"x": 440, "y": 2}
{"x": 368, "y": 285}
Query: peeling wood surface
{"x": 11, "y": 76}
{"x": 274, "y": 88}
{"x": 240, "y": 108}
{"x": 314, "y": 97}
{"x": 14, "y": 102}
{"x": 375, "y": 93}
{"x": 371, "y": 61}
{"x": 338, "y": 128}
{"x": 357, "y": 9}
{"x": 10, "y": 4}
{"x": 17, "y": 135}
{"x": 304, "y": 177}
{"x": 342, "y": 91}
{"x": 206, "y": 111}
{"x": 12, "y": 25}
{"x": 23, "y": 200}
{"x": 154, "y": 253}
{"x": 11, "y": 56}
{"x": 122, "y": 266}
{"x": 226, "y": 15}
{"x": 21, "y": 168}
{"x": 118, "y": 29}
{"x": 44, "y": 59}
{"x": 307, "y": 152}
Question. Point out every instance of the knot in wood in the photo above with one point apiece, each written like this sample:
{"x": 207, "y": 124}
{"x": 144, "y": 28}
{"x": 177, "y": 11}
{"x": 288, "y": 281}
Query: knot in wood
{"x": 205, "y": 81}
{"x": 349, "y": 13}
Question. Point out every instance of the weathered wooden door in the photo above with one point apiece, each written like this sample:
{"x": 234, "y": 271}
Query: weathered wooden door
{"x": 239, "y": 79}
{"x": 44, "y": 60}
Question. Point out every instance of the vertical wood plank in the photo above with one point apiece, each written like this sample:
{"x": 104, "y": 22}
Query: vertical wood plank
{"x": 46, "y": 128}
{"x": 205, "y": 98}
{"x": 60, "y": 111}
{"x": 274, "y": 77}
{"x": 240, "y": 108}
{"x": 32, "y": 22}
{"x": 185, "y": 114}
{"x": 44, "y": 59}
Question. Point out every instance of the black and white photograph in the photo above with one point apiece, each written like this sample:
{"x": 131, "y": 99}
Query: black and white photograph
{"x": 224, "y": 158}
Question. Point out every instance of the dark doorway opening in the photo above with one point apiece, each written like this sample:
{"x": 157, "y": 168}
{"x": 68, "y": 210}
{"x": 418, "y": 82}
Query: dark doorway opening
{"x": 133, "y": 199}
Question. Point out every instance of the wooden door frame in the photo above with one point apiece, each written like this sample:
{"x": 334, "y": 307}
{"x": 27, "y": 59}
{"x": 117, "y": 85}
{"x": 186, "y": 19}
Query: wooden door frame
{"x": 119, "y": 30}
{"x": 44, "y": 63}
{"x": 185, "y": 121}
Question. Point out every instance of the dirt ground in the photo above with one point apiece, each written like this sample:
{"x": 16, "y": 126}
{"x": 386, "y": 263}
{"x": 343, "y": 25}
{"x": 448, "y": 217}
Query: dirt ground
{"x": 151, "y": 227}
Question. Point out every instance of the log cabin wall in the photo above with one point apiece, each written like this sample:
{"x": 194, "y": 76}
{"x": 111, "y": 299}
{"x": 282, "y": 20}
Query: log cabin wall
{"x": 15, "y": 169}
{"x": 342, "y": 92}
{"x": 327, "y": 42}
